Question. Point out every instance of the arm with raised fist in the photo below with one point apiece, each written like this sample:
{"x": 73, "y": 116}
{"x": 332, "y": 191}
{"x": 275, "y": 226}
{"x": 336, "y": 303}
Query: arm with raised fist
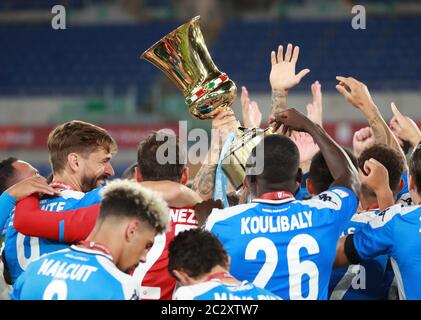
{"x": 338, "y": 162}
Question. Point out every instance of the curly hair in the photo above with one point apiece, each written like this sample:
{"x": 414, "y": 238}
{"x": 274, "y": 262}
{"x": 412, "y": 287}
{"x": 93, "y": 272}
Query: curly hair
{"x": 196, "y": 252}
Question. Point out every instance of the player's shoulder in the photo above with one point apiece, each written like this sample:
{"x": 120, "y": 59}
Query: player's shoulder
{"x": 263, "y": 294}
{"x": 333, "y": 198}
{"x": 364, "y": 217}
{"x": 218, "y": 215}
{"x": 112, "y": 274}
{"x": 191, "y": 292}
{"x": 395, "y": 213}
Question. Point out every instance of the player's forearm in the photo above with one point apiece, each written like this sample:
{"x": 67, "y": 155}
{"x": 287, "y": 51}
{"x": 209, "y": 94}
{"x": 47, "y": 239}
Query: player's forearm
{"x": 341, "y": 260}
{"x": 66, "y": 226}
{"x": 338, "y": 162}
{"x": 204, "y": 181}
{"x": 385, "y": 198}
{"x": 381, "y": 130}
{"x": 279, "y": 101}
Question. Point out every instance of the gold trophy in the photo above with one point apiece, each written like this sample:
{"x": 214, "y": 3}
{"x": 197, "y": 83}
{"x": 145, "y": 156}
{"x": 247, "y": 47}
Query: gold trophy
{"x": 183, "y": 56}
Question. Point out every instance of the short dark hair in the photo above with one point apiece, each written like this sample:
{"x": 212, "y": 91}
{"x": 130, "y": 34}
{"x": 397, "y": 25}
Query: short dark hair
{"x": 129, "y": 172}
{"x": 319, "y": 173}
{"x": 148, "y": 163}
{"x": 393, "y": 161}
{"x": 280, "y": 159}
{"x": 196, "y": 252}
{"x": 77, "y": 136}
{"x": 7, "y": 172}
{"x": 415, "y": 167}
{"x": 127, "y": 198}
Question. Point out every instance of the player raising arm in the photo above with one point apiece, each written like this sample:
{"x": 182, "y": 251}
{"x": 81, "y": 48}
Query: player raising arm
{"x": 396, "y": 233}
{"x": 281, "y": 244}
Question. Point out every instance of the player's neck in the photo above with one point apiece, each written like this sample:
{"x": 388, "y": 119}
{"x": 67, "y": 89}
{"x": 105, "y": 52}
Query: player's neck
{"x": 222, "y": 275}
{"x": 64, "y": 178}
{"x": 101, "y": 235}
{"x": 279, "y": 187}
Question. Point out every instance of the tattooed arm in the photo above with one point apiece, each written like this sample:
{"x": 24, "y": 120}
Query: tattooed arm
{"x": 282, "y": 76}
{"x": 204, "y": 182}
{"x": 360, "y": 98}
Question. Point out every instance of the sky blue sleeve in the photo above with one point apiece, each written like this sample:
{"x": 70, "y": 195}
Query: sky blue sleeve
{"x": 340, "y": 201}
{"x": 7, "y": 203}
{"x": 376, "y": 238}
{"x": 17, "y": 287}
{"x": 91, "y": 198}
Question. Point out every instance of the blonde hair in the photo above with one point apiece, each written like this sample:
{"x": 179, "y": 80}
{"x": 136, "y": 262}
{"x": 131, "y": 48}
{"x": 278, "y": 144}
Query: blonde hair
{"x": 129, "y": 199}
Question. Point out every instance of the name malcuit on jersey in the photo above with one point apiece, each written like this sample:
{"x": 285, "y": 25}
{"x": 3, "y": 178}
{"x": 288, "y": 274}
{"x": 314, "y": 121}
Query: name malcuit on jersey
{"x": 275, "y": 224}
{"x": 64, "y": 270}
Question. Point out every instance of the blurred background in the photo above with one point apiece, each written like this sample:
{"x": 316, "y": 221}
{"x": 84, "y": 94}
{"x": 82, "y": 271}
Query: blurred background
{"x": 92, "y": 71}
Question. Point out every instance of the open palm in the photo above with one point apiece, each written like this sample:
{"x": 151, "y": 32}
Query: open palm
{"x": 282, "y": 75}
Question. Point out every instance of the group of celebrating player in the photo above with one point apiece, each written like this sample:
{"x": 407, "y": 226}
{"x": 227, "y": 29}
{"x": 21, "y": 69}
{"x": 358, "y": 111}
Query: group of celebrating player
{"x": 319, "y": 221}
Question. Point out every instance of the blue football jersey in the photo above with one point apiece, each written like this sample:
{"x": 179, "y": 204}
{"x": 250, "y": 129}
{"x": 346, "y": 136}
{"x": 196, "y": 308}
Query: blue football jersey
{"x": 404, "y": 196}
{"x": 369, "y": 280}
{"x": 19, "y": 249}
{"x": 285, "y": 246}
{"x": 395, "y": 232}
{"x": 216, "y": 290}
{"x": 74, "y": 273}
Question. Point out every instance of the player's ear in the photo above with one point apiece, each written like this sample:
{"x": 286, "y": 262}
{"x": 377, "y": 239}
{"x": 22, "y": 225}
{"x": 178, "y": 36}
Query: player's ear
{"x": 131, "y": 229}
{"x": 181, "y": 277}
{"x": 185, "y": 176}
{"x": 73, "y": 160}
{"x": 401, "y": 185}
{"x": 411, "y": 184}
{"x": 309, "y": 186}
{"x": 138, "y": 174}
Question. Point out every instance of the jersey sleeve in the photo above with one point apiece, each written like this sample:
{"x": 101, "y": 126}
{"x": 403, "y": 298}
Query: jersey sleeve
{"x": 15, "y": 294}
{"x": 66, "y": 226}
{"x": 183, "y": 293}
{"x": 7, "y": 203}
{"x": 376, "y": 237}
{"x": 90, "y": 198}
{"x": 340, "y": 201}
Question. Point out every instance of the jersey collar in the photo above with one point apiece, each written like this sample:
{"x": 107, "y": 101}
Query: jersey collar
{"x": 275, "y": 197}
{"x": 91, "y": 251}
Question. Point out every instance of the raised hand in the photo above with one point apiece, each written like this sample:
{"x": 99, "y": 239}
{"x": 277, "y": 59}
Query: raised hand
{"x": 282, "y": 75}
{"x": 358, "y": 94}
{"x": 363, "y": 139}
{"x": 404, "y": 127}
{"x": 314, "y": 109}
{"x": 306, "y": 147}
{"x": 252, "y": 117}
{"x": 25, "y": 188}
